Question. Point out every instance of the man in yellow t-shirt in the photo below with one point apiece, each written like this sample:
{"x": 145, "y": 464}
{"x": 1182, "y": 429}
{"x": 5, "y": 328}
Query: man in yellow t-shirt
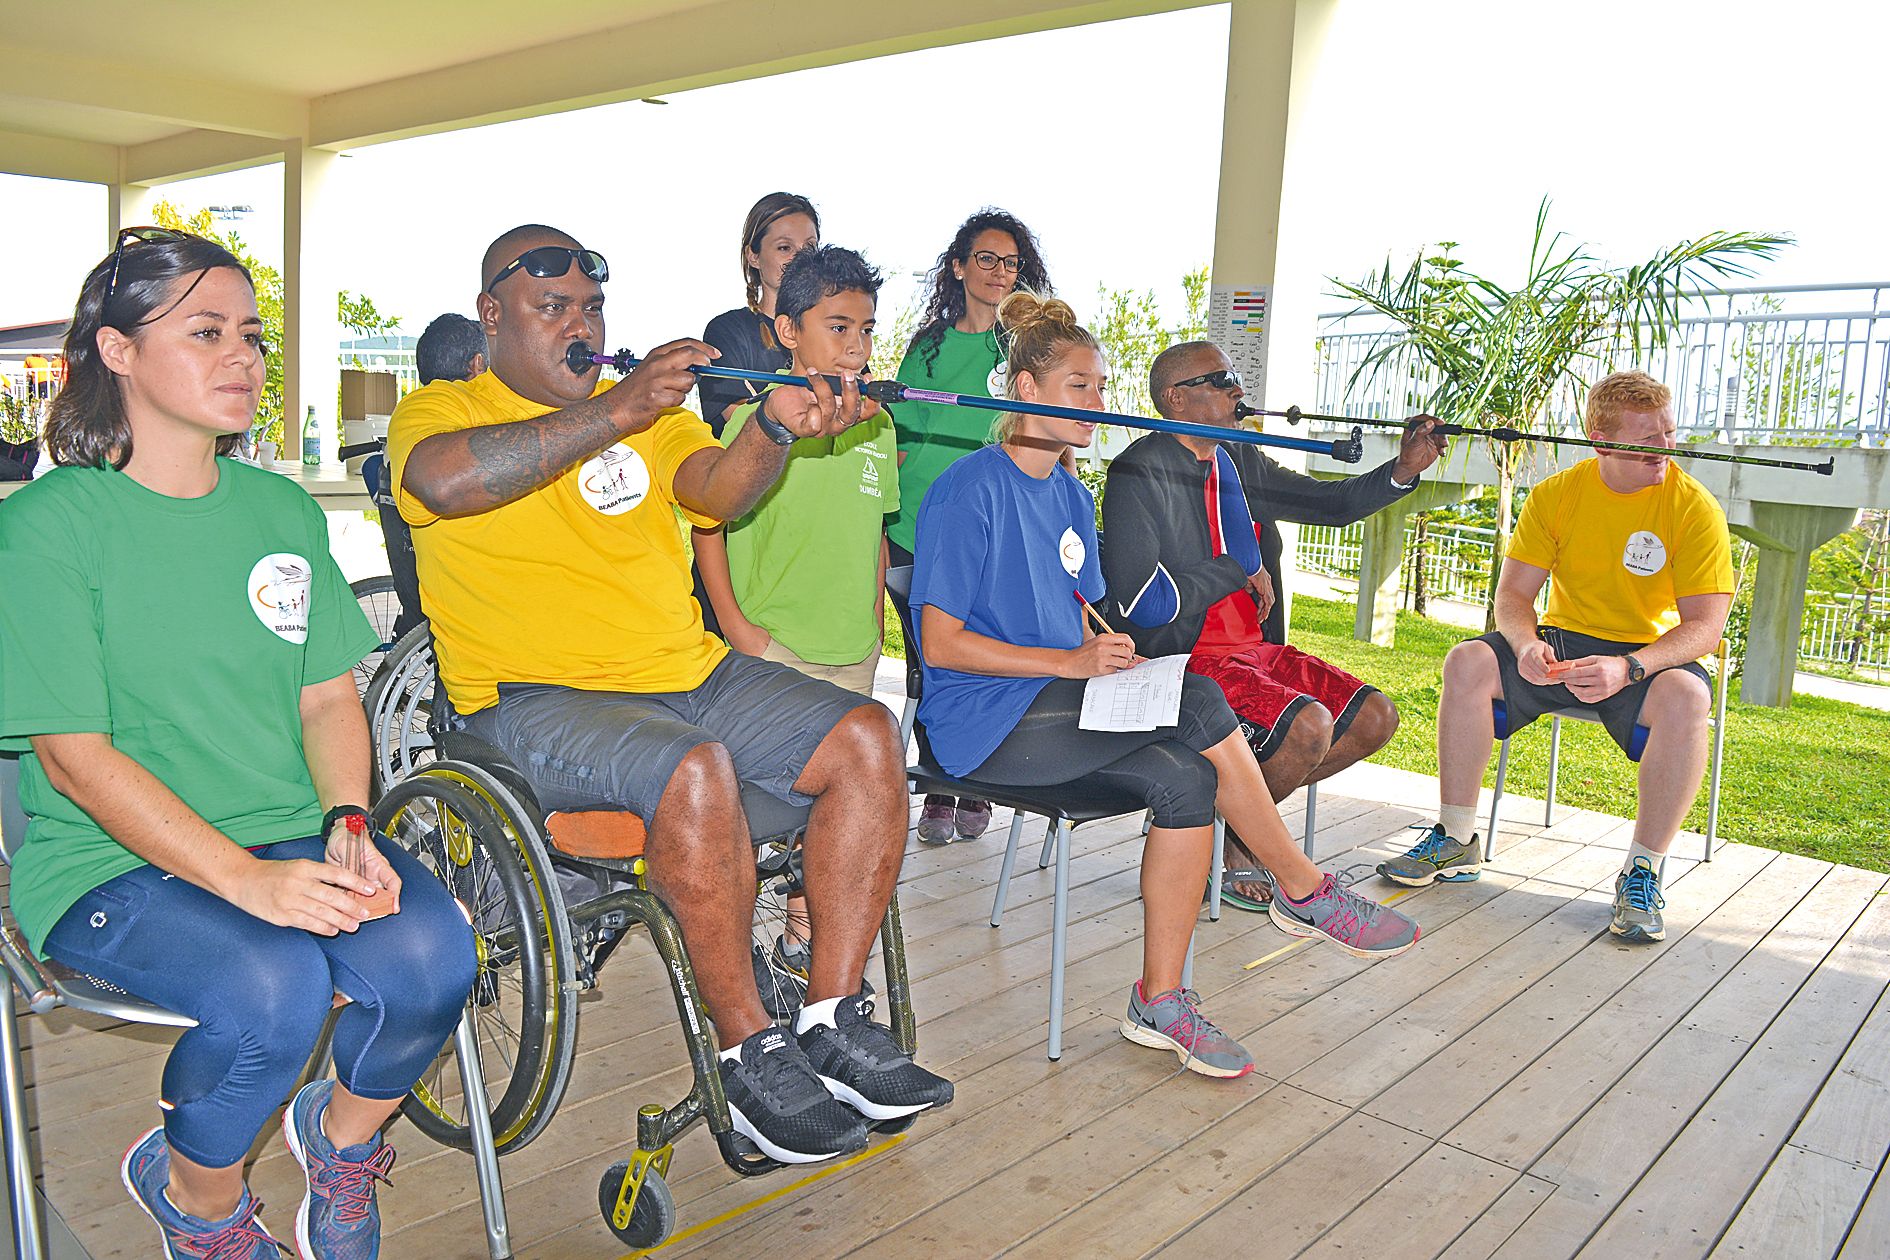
{"x": 1643, "y": 583}
{"x": 552, "y": 568}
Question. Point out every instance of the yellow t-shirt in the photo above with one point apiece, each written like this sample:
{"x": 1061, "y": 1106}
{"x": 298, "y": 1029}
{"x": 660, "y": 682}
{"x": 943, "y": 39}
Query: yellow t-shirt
{"x": 583, "y": 583}
{"x": 1620, "y": 561}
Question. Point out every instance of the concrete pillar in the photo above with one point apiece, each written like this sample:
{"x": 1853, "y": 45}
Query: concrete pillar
{"x": 1786, "y": 535}
{"x": 127, "y": 205}
{"x": 1381, "y": 559}
{"x": 311, "y": 335}
{"x": 1261, "y": 233}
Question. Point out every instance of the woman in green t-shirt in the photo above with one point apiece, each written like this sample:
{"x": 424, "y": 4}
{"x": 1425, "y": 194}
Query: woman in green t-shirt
{"x": 958, "y": 349}
{"x": 176, "y": 657}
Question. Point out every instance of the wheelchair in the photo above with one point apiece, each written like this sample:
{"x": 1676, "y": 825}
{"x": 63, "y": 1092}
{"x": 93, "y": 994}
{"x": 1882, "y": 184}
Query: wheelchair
{"x": 552, "y": 896}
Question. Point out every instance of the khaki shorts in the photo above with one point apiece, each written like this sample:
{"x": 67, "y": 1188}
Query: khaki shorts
{"x": 857, "y": 678}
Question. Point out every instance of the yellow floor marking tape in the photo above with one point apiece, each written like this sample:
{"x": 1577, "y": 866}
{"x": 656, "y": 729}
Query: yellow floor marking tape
{"x": 1307, "y": 940}
{"x": 772, "y": 1195}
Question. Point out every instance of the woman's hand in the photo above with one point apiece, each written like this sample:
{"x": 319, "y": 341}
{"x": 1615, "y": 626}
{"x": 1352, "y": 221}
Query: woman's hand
{"x": 320, "y": 897}
{"x": 1103, "y": 654}
{"x": 356, "y": 851}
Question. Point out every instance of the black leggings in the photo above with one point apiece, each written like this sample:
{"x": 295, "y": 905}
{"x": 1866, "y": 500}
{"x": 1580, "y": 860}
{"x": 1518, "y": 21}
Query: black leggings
{"x": 1164, "y": 768}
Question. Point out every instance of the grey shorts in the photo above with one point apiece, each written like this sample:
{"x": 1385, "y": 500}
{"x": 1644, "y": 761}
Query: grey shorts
{"x": 1620, "y": 713}
{"x": 612, "y": 750}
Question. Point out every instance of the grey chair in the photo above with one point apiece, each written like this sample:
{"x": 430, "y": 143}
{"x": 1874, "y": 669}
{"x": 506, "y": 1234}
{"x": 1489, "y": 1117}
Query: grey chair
{"x": 47, "y": 986}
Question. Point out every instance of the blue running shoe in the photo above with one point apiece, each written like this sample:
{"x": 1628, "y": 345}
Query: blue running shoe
{"x": 339, "y": 1219}
{"x": 240, "y": 1236}
{"x": 1637, "y": 904}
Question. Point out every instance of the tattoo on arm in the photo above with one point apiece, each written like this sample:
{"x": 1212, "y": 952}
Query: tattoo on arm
{"x": 512, "y": 460}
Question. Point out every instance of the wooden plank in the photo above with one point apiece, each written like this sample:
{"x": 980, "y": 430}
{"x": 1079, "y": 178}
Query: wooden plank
{"x": 1420, "y": 1211}
{"x": 1869, "y": 1238}
{"x": 1802, "y": 1207}
{"x": 1850, "y": 1119}
{"x": 1503, "y": 1218}
{"x": 1674, "y": 1209}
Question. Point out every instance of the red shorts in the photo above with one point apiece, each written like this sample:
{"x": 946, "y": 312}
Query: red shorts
{"x": 1268, "y": 684}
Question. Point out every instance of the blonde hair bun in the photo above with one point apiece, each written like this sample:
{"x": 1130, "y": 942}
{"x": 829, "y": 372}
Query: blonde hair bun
{"x": 1024, "y": 310}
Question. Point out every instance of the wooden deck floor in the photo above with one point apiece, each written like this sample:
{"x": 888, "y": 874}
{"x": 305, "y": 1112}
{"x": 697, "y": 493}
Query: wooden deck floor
{"x": 1517, "y": 1086}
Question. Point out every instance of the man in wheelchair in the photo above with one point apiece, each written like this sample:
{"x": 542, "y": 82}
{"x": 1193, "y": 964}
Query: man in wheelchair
{"x": 1643, "y": 583}
{"x": 544, "y": 504}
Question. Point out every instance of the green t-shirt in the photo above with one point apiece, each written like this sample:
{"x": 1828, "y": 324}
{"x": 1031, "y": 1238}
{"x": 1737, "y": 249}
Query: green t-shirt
{"x": 805, "y": 562}
{"x": 185, "y": 630}
{"x": 933, "y": 436}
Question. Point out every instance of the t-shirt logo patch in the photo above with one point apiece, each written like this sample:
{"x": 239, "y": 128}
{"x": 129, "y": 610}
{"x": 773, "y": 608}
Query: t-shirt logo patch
{"x": 1645, "y": 554}
{"x": 278, "y": 593}
{"x": 994, "y": 384}
{"x": 614, "y": 480}
{"x": 1071, "y": 551}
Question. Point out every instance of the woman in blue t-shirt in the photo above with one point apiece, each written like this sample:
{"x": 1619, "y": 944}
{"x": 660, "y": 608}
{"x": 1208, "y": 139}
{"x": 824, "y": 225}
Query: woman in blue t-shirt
{"x": 176, "y": 656}
{"x": 1007, "y": 552}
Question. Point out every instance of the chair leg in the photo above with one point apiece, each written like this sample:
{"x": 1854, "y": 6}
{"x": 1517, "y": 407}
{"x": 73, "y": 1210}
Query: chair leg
{"x": 907, "y": 718}
{"x": 1187, "y": 965}
{"x": 1004, "y": 872}
{"x": 1555, "y": 762}
{"x": 1049, "y": 842}
{"x": 1496, "y": 802}
{"x": 1059, "y": 935}
{"x": 29, "y": 1239}
{"x": 1148, "y": 820}
{"x": 485, "y": 1153}
{"x": 1312, "y": 816}
{"x": 1719, "y": 752}
{"x": 1214, "y": 872}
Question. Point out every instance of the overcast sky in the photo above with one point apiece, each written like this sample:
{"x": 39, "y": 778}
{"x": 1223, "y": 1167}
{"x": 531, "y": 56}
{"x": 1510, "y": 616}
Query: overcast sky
{"x": 1645, "y": 120}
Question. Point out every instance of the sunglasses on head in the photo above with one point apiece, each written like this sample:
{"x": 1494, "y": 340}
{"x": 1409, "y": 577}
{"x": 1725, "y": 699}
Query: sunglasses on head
{"x": 555, "y": 260}
{"x": 989, "y": 261}
{"x": 1223, "y": 379}
{"x": 142, "y": 234}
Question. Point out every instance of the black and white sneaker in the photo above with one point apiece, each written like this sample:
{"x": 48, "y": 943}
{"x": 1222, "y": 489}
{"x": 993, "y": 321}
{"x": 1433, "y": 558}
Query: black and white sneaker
{"x": 777, "y": 1102}
{"x": 861, "y": 1065}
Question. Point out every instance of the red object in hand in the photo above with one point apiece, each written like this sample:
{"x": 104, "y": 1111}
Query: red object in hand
{"x": 356, "y": 824}
{"x": 1553, "y": 669}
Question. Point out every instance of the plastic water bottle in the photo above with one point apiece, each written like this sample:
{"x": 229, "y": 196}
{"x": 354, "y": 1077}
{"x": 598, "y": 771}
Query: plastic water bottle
{"x": 311, "y": 439}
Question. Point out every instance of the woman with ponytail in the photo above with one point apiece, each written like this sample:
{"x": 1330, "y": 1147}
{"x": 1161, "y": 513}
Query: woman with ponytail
{"x": 959, "y": 349}
{"x": 176, "y": 657}
{"x": 779, "y": 226}
{"x": 1005, "y": 536}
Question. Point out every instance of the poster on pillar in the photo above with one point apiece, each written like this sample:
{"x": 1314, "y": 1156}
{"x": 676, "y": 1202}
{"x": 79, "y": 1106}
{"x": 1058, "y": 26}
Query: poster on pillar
{"x": 1237, "y": 323}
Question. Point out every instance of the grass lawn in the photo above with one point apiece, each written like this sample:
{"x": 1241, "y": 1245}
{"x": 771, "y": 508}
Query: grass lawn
{"x": 1811, "y": 779}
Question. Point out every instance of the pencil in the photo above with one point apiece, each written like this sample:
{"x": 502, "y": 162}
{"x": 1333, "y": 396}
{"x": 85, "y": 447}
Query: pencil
{"x": 1092, "y": 612}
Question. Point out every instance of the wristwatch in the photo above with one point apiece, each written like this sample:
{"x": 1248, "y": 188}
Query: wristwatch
{"x": 1635, "y": 670}
{"x": 771, "y": 428}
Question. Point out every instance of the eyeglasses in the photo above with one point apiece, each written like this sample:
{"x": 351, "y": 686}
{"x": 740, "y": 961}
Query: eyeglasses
{"x": 1223, "y": 379}
{"x": 989, "y": 261}
{"x": 145, "y": 234}
{"x": 555, "y": 260}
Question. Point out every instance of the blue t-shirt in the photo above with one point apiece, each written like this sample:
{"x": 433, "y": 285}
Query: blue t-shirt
{"x": 1004, "y": 553}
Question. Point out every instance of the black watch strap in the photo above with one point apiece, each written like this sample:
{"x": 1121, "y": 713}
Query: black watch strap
{"x": 1635, "y": 670}
{"x": 771, "y": 428}
{"x": 340, "y": 812}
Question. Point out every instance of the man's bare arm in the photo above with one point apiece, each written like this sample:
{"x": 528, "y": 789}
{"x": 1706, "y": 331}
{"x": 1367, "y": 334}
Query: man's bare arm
{"x": 725, "y": 484}
{"x": 1702, "y": 623}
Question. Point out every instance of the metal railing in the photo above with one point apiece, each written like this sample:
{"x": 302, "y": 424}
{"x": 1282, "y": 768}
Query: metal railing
{"x": 1787, "y": 363}
{"x": 1456, "y": 558}
{"x": 1832, "y": 633}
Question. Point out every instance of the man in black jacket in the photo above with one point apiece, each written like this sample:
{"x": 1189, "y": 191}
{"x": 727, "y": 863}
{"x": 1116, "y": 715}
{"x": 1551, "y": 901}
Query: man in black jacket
{"x": 1193, "y": 563}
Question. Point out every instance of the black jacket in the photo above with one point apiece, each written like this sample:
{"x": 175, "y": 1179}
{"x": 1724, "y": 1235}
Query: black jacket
{"x": 1155, "y": 514}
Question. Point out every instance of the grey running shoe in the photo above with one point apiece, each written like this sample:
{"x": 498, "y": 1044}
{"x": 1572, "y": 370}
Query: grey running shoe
{"x": 1638, "y": 903}
{"x": 860, "y": 1065}
{"x": 777, "y": 1102}
{"x": 1360, "y": 927}
{"x": 1436, "y": 856}
{"x": 972, "y": 818}
{"x": 938, "y": 820}
{"x": 1173, "y": 1021}
{"x": 782, "y": 991}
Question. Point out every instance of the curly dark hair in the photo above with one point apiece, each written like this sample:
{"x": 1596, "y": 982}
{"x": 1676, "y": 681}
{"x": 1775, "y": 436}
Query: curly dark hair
{"x": 945, "y": 302}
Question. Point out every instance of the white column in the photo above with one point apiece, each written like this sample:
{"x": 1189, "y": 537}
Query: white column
{"x": 126, "y": 204}
{"x": 1268, "y": 205}
{"x": 311, "y": 371}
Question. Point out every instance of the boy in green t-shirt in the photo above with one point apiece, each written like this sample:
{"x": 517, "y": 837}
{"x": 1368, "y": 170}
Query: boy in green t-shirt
{"x": 801, "y": 579}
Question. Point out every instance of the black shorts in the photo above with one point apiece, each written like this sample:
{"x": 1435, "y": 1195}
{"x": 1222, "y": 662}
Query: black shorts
{"x": 1524, "y": 702}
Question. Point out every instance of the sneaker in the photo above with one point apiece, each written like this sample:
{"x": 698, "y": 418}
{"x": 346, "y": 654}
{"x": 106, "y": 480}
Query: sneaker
{"x": 863, "y": 1068}
{"x": 338, "y": 1219}
{"x": 797, "y": 959}
{"x": 1436, "y": 856}
{"x": 146, "y": 1170}
{"x": 1173, "y": 1021}
{"x": 1360, "y": 927}
{"x": 938, "y": 821}
{"x": 776, "y": 1101}
{"x": 972, "y": 817}
{"x": 1638, "y": 903}
{"x": 782, "y": 991}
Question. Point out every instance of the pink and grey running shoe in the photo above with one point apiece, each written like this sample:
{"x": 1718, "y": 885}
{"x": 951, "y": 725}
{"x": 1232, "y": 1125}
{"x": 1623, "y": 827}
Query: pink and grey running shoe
{"x": 1173, "y": 1021}
{"x": 1356, "y": 925}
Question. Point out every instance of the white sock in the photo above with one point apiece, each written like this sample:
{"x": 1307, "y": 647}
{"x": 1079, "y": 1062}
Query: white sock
{"x": 1637, "y": 849}
{"x": 731, "y": 1055}
{"x": 1459, "y": 821}
{"x": 817, "y": 1013}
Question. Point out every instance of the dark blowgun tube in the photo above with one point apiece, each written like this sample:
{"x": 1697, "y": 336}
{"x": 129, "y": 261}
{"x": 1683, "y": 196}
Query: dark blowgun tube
{"x": 1293, "y": 415}
{"x": 580, "y": 358}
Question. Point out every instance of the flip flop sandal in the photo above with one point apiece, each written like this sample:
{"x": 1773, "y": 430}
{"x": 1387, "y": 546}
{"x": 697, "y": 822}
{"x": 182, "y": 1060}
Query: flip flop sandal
{"x": 1231, "y": 896}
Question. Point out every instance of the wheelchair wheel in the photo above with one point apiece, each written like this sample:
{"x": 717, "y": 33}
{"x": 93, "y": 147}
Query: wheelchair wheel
{"x": 652, "y": 1218}
{"x": 463, "y": 826}
{"x": 381, "y": 602}
{"x": 399, "y": 702}
{"x": 781, "y": 980}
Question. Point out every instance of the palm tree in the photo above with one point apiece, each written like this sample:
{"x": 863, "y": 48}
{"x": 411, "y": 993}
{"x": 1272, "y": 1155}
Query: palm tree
{"x": 1477, "y": 352}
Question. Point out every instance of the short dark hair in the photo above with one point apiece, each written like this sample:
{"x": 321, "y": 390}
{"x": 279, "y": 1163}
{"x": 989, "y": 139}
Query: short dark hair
{"x": 1166, "y": 369}
{"x": 819, "y": 272}
{"x": 445, "y": 350}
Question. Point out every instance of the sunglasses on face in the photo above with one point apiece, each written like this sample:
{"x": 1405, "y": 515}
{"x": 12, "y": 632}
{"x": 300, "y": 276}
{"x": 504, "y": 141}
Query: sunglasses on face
{"x": 142, "y": 234}
{"x": 555, "y": 260}
{"x": 1223, "y": 379}
{"x": 989, "y": 261}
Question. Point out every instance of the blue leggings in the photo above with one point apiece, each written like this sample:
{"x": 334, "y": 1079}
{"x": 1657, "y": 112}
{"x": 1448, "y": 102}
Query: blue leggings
{"x": 260, "y": 993}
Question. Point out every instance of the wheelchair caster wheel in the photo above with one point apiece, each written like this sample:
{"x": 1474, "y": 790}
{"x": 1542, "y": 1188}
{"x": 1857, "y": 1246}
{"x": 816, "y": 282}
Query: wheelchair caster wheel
{"x": 652, "y": 1218}
{"x": 897, "y": 1125}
